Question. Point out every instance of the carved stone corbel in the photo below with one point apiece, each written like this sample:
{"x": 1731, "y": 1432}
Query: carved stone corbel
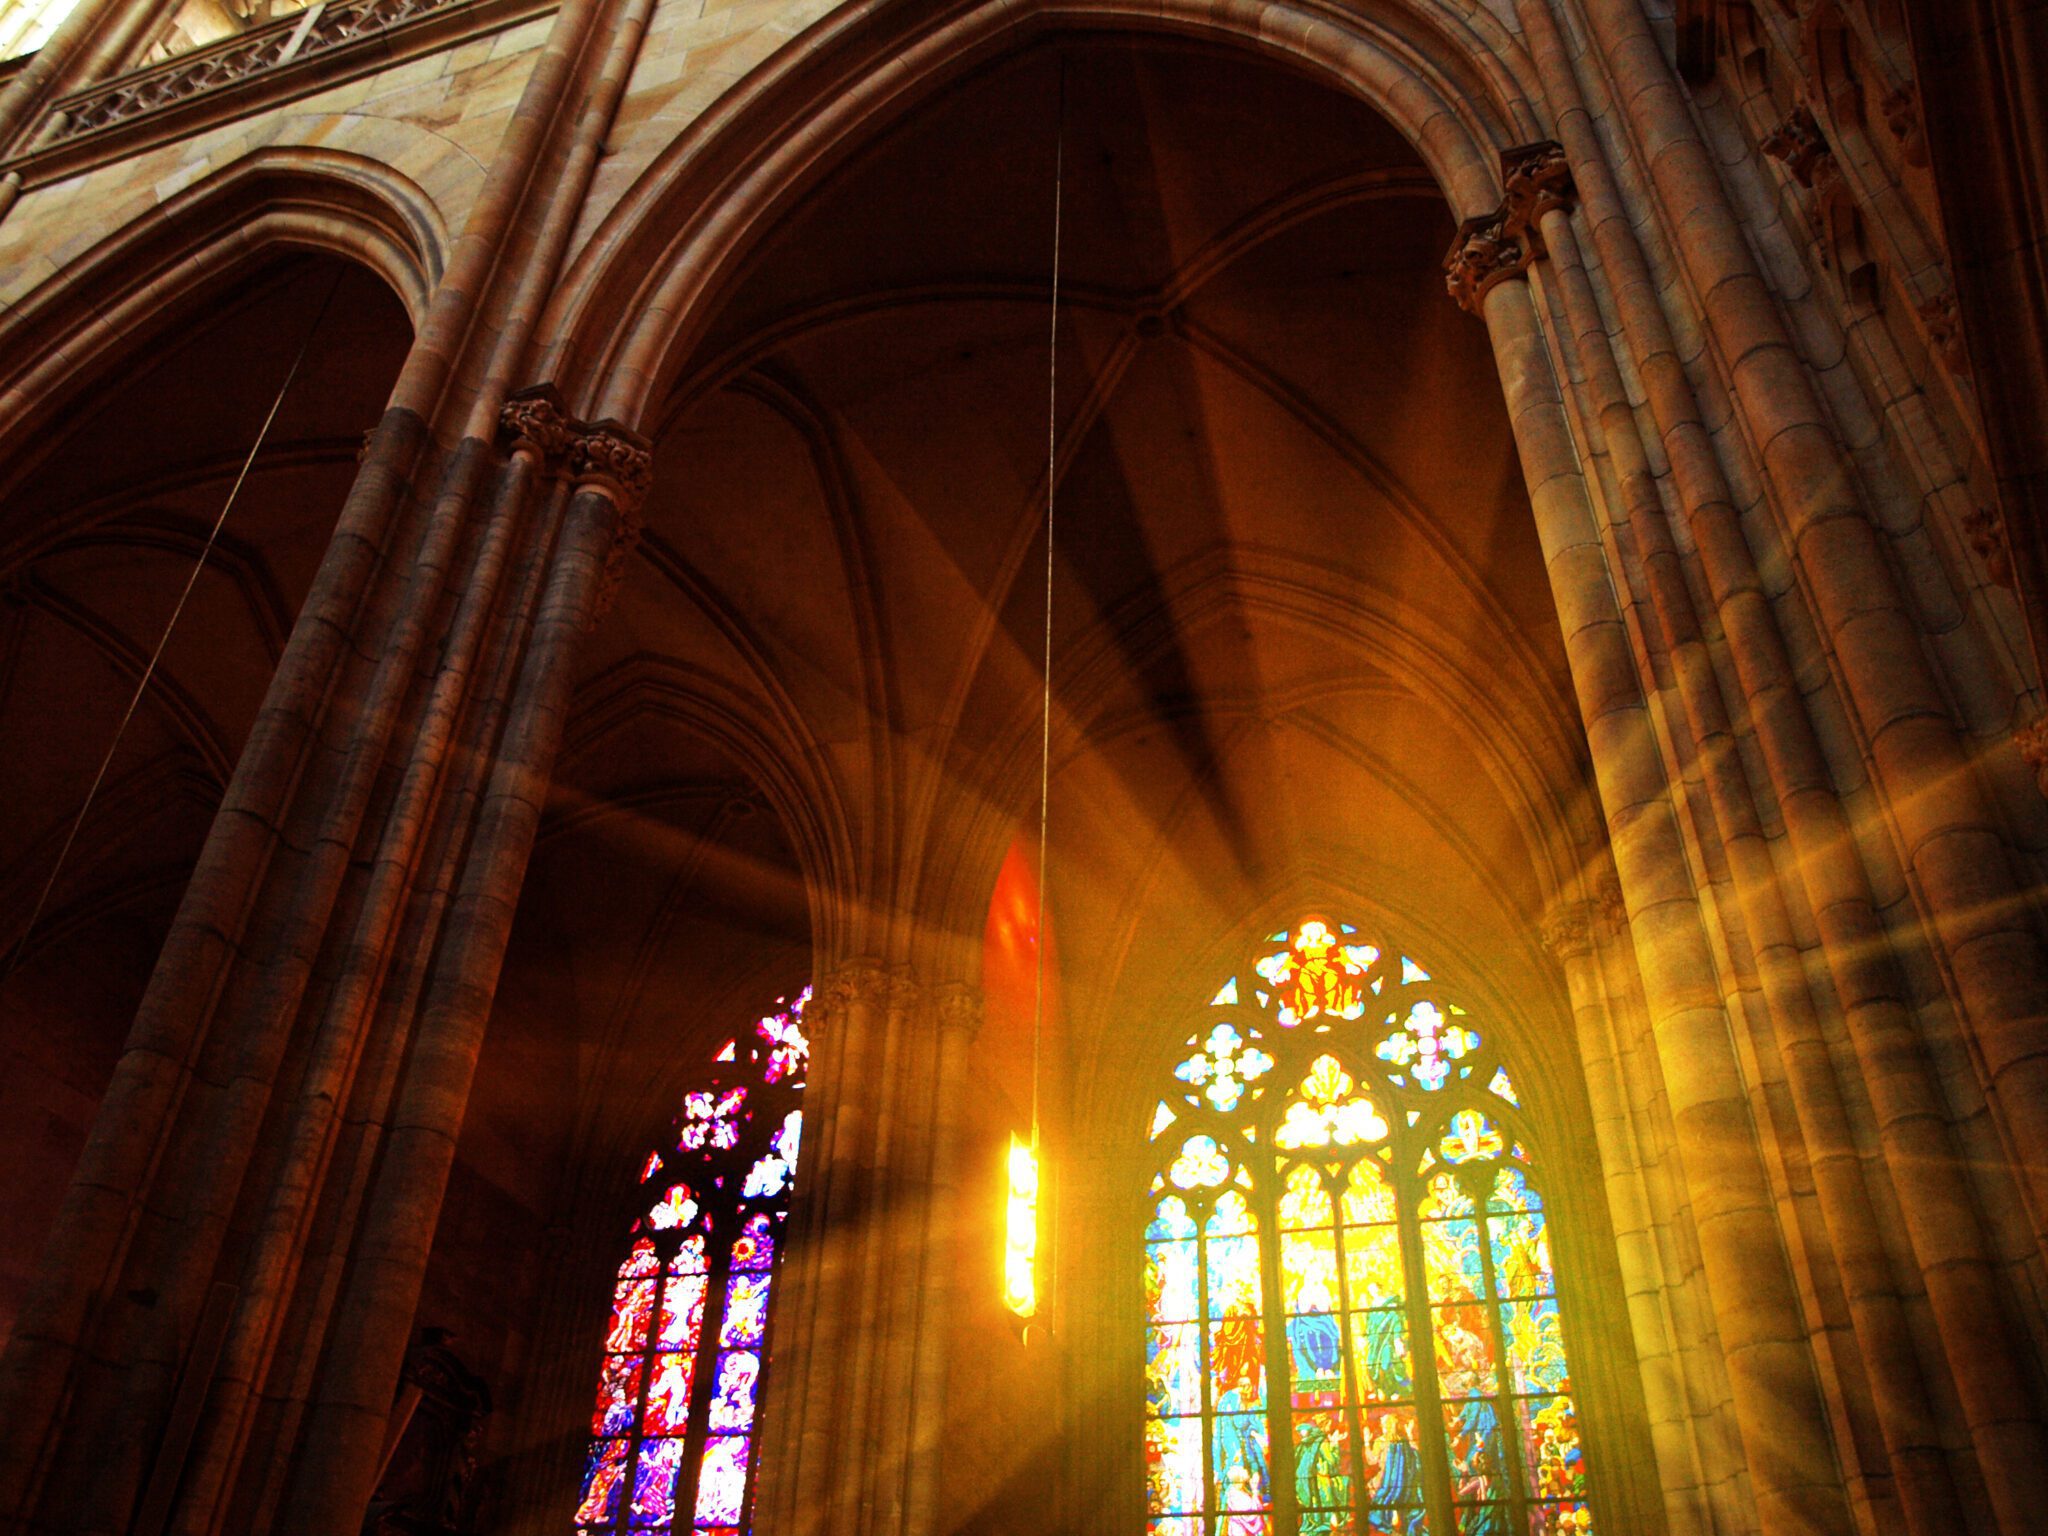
{"x": 1493, "y": 247}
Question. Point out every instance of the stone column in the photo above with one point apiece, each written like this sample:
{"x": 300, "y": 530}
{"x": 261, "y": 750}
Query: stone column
{"x": 345, "y": 1424}
{"x": 1963, "y": 878}
{"x": 850, "y": 1431}
{"x": 1779, "y": 1410}
{"x": 1569, "y": 935}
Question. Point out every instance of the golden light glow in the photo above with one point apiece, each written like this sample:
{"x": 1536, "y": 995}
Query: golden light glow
{"x": 1020, "y": 1238}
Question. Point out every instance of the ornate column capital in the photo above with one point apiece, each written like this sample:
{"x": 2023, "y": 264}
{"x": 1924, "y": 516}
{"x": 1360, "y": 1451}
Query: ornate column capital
{"x": 534, "y": 420}
{"x": 1484, "y": 254}
{"x": 1535, "y": 178}
{"x": 612, "y": 456}
{"x": 1568, "y": 930}
{"x": 1493, "y": 247}
{"x": 959, "y": 1010}
{"x": 850, "y": 983}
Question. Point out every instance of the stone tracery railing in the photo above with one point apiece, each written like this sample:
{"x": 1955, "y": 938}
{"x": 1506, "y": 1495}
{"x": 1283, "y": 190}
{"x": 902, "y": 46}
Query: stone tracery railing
{"x": 321, "y": 27}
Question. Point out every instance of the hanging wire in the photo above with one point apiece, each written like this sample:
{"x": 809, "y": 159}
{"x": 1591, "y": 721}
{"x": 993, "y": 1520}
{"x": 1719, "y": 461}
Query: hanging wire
{"x": 1052, "y": 436}
{"x": 149, "y": 671}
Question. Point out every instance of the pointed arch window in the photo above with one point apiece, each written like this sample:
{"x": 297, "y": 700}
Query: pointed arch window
{"x": 1353, "y": 1323}
{"x": 686, "y": 1352}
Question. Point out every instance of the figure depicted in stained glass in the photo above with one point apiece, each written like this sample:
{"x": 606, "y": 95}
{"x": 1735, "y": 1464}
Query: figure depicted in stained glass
{"x": 691, "y": 1309}
{"x": 1371, "y": 1166}
{"x": 1316, "y": 976}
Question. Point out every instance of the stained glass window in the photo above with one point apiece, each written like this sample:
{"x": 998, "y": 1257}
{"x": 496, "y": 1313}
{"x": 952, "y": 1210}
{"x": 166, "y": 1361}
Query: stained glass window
{"x": 1352, "y": 1316}
{"x": 686, "y": 1353}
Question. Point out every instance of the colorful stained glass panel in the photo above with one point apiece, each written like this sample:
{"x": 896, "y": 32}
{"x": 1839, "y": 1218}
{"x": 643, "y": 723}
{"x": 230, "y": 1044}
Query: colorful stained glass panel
{"x": 1521, "y": 1254}
{"x": 1534, "y": 1344}
{"x": 722, "y": 1481}
{"x": 746, "y": 1310}
{"x": 1315, "y": 1348}
{"x": 668, "y": 1393}
{"x": 1237, "y": 1365}
{"x": 1322, "y": 1465}
{"x": 1173, "y": 1369}
{"x": 1372, "y": 1266}
{"x": 1173, "y": 1281}
{"x": 1551, "y": 1454}
{"x": 618, "y": 1396}
{"x": 1450, "y": 1253}
{"x": 1473, "y": 1441}
{"x": 1464, "y": 1351}
{"x": 1390, "y": 1461}
{"x": 603, "y": 1476}
{"x": 1379, "y": 1342}
{"x": 1173, "y": 1465}
{"x": 1308, "y": 1271}
{"x": 732, "y": 1405}
{"x": 654, "y": 1482}
{"x": 1240, "y": 1461}
{"x": 632, "y": 1302}
{"x": 682, "y": 1312}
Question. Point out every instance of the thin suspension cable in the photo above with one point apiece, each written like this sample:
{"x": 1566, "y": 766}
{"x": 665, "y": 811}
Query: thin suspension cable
{"x": 149, "y": 671}
{"x": 1052, "y": 438}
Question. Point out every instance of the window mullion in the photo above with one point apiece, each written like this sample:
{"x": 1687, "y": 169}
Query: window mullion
{"x": 1504, "y": 1381}
{"x": 1429, "y": 1406}
{"x": 1354, "y": 1417}
{"x": 1279, "y": 1359}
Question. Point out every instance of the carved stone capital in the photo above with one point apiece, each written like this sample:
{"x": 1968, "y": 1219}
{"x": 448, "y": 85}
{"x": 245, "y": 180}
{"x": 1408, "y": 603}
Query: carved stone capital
{"x": 1568, "y": 930}
{"x": 1493, "y": 247}
{"x": 613, "y": 456}
{"x": 1985, "y": 529}
{"x": 1485, "y": 254}
{"x": 1802, "y": 147}
{"x": 533, "y": 420}
{"x": 959, "y": 1010}
{"x": 852, "y": 984}
{"x": 619, "y": 461}
{"x": 1535, "y": 178}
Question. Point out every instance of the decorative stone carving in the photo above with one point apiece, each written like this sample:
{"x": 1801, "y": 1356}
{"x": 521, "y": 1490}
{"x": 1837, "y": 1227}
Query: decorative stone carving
{"x": 1945, "y": 332}
{"x": 960, "y": 1011}
{"x": 1901, "y": 110}
{"x": 618, "y": 460}
{"x": 1985, "y": 530}
{"x": 1535, "y": 178}
{"x": 2032, "y": 740}
{"x": 1568, "y": 930}
{"x": 1801, "y": 146}
{"x": 533, "y": 419}
{"x": 1486, "y": 253}
{"x": 1837, "y": 221}
{"x": 243, "y": 56}
{"x": 1494, "y": 247}
{"x": 614, "y": 456}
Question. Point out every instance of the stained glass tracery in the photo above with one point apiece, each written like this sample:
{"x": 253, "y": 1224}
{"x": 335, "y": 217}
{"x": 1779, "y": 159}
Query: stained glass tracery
{"x": 672, "y": 1433}
{"x": 1353, "y": 1322}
